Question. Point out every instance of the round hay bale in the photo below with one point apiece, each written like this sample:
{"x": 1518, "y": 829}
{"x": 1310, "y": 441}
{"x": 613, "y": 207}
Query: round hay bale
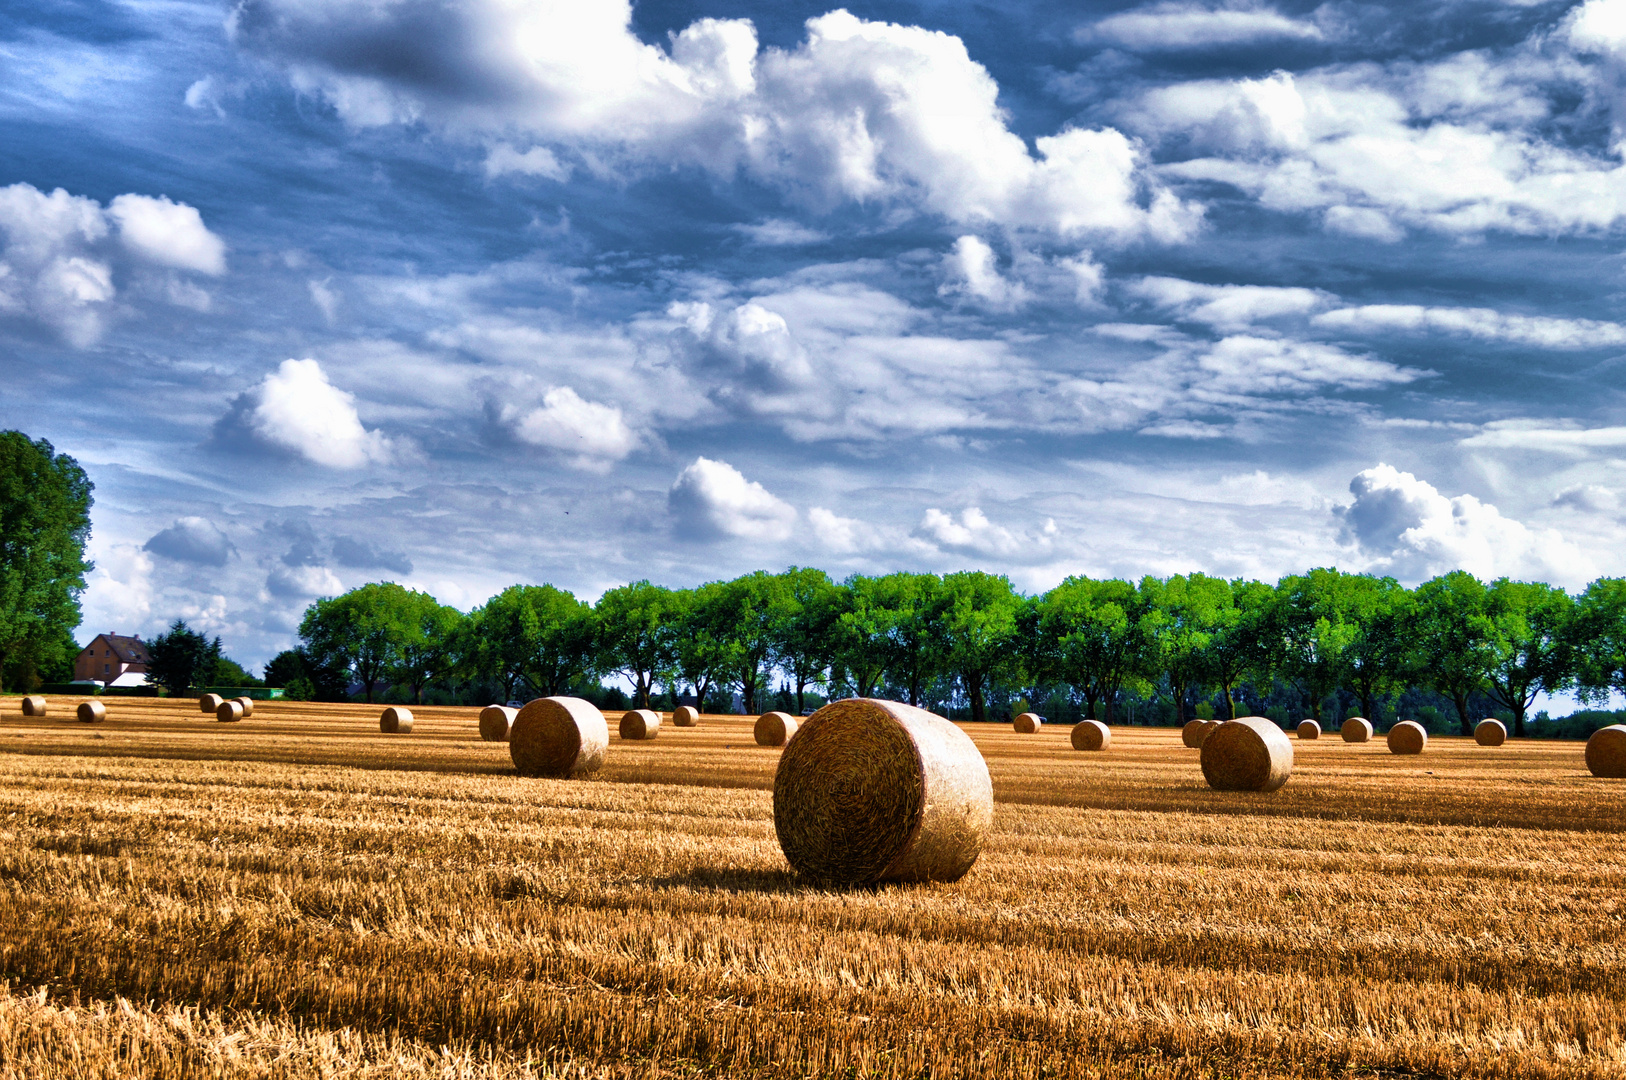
{"x": 1407, "y": 737}
{"x": 686, "y": 716}
{"x": 1091, "y": 735}
{"x": 35, "y": 705}
{"x": 209, "y": 703}
{"x": 1356, "y": 729}
{"x": 1028, "y": 723}
{"x": 872, "y": 791}
{"x": 1196, "y": 731}
{"x": 1490, "y": 732}
{"x": 1606, "y": 752}
{"x": 230, "y": 711}
{"x": 1309, "y": 729}
{"x": 496, "y": 721}
{"x": 395, "y": 721}
{"x": 774, "y": 728}
{"x": 640, "y": 724}
{"x": 248, "y": 705}
{"x": 92, "y": 711}
{"x": 1250, "y": 754}
{"x": 558, "y": 737}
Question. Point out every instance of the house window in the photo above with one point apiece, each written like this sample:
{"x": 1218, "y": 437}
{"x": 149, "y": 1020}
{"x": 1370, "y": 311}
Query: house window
{"x": 107, "y": 669}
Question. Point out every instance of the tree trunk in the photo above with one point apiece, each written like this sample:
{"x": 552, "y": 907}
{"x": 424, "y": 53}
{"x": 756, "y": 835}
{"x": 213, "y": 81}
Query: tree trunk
{"x": 1230, "y": 704}
{"x": 973, "y": 690}
{"x": 1109, "y": 698}
{"x": 1461, "y": 702}
{"x": 914, "y": 689}
{"x": 1178, "y": 689}
{"x": 1518, "y": 719}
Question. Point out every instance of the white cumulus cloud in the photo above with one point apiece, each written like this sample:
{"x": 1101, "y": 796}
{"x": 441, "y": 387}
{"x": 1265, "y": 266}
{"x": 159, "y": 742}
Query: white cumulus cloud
{"x": 972, "y": 269}
{"x": 590, "y": 435}
{"x": 168, "y": 233}
{"x": 302, "y": 582}
{"x": 712, "y": 499}
{"x": 1172, "y": 27}
{"x": 296, "y": 409}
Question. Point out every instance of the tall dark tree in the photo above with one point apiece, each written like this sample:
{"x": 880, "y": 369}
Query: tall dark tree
{"x": 45, "y": 505}
{"x": 181, "y": 659}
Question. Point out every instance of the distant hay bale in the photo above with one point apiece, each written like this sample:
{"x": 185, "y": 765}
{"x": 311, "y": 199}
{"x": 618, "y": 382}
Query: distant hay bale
{"x": 1250, "y": 754}
{"x": 1490, "y": 732}
{"x": 686, "y": 716}
{"x": 1606, "y": 752}
{"x": 871, "y": 791}
{"x": 1309, "y": 729}
{"x": 496, "y": 721}
{"x": 395, "y": 721}
{"x": 1196, "y": 731}
{"x": 229, "y": 711}
{"x": 209, "y": 703}
{"x": 1028, "y": 723}
{"x": 558, "y": 737}
{"x": 1407, "y": 737}
{"x": 774, "y": 728}
{"x": 1356, "y": 729}
{"x": 35, "y": 705}
{"x": 92, "y": 711}
{"x": 640, "y": 724}
{"x": 248, "y": 705}
{"x": 1091, "y": 735}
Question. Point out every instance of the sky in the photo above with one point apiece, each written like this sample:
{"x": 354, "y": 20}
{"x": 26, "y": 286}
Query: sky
{"x": 467, "y": 293}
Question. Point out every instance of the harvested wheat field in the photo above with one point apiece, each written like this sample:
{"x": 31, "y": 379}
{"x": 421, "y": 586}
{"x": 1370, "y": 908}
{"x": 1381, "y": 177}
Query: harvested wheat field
{"x": 300, "y": 895}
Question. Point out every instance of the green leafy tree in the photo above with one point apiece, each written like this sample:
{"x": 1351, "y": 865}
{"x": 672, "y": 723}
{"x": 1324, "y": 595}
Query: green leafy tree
{"x": 45, "y": 505}
{"x": 1311, "y": 628}
{"x": 808, "y": 638}
{"x": 751, "y": 611}
{"x": 1529, "y": 624}
{"x": 912, "y": 656}
{"x": 1181, "y": 616}
{"x": 426, "y": 652}
{"x": 1237, "y": 651}
{"x": 1381, "y": 657}
{"x": 863, "y": 633}
{"x": 181, "y": 659}
{"x": 1096, "y": 636}
{"x": 1597, "y": 639}
{"x": 303, "y": 679}
{"x": 1455, "y": 638}
{"x": 973, "y": 618}
{"x": 540, "y": 635}
{"x": 637, "y": 635}
{"x": 701, "y": 652}
{"x": 363, "y": 631}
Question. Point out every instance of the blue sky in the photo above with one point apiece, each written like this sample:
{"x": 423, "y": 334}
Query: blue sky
{"x": 468, "y": 292}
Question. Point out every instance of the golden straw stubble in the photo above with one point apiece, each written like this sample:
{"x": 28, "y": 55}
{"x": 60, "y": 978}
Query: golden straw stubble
{"x": 1309, "y": 729}
{"x": 637, "y": 724}
{"x": 774, "y": 728}
{"x": 1248, "y": 754}
{"x": 1407, "y": 737}
{"x": 1091, "y": 735}
{"x": 1606, "y": 752}
{"x": 1356, "y": 729}
{"x": 495, "y": 722}
{"x": 1490, "y": 732}
{"x": 871, "y": 791}
{"x": 558, "y": 737}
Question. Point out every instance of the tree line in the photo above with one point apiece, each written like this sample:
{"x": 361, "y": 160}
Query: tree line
{"x": 1193, "y": 642}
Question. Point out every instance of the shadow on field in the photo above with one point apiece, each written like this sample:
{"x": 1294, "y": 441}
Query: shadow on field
{"x": 738, "y": 880}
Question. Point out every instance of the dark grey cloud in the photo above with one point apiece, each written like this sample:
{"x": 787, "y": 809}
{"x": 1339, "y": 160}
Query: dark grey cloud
{"x": 192, "y": 540}
{"x": 364, "y": 555}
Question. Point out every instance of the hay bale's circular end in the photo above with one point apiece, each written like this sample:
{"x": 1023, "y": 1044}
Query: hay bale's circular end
{"x": 395, "y": 721}
{"x": 1356, "y": 729}
{"x": 1250, "y": 754}
{"x": 872, "y": 791}
{"x": 640, "y": 724}
{"x": 1407, "y": 737}
{"x": 1091, "y": 735}
{"x": 92, "y": 711}
{"x": 1309, "y": 729}
{"x": 558, "y": 737}
{"x": 35, "y": 705}
{"x": 1028, "y": 723}
{"x": 686, "y": 716}
{"x": 1196, "y": 731}
{"x": 1606, "y": 752}
{"x": 229, "y": 711}
{"x": 209, "y": 703}
{"x": 774, "y": 728}
{"x": 248, "y": 705}
{"x": 495, "y": 722}
{"x": 1490, "y": 732}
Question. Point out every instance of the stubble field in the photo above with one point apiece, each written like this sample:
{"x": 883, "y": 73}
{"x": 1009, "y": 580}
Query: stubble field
{"x": 298, "y": 895}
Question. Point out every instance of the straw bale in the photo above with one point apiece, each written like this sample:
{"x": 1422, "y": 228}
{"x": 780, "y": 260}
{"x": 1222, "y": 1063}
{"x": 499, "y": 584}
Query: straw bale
{"x": 1407, "y": 737}
{"x": 686, "y": 716}
{"x": 35, "y": 705}
{"x": 871, "y": 791}
{"x": 209, "y": 703}
{"x": 496, "y": 721}
{"x": 92, "y": 711}
{"x": 1606, "y": 752}
{"x": 1091, "y": 735}
{"x": 1309, "y": 729}
{"x": 229, "y": 711}
{"x": 396, "y": 720}
{"x": 1356, "y": 729}
{"x": 1196, "y": 731}
{"x": 248, "y": 705}
{"x": 774, "y": 728}
{"x": 640, "y": 724}
{"x": 1249, "y": 754}
{"x": 558, "y": 737}
{"x": 1490, "y": 732}
{"x": 1028, "y": 723}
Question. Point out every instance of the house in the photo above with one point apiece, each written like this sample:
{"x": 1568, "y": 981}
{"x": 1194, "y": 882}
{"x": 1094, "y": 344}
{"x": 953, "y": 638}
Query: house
{"x": 112, "y": 659}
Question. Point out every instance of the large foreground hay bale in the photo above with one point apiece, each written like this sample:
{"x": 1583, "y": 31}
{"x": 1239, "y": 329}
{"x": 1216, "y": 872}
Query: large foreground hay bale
{"x": 1490, "y": 732}
{"x": 1091, "y": 735}
{"x": 774, "y": 728}
{"x": 1356, "y": 729}
{"x": 1309, "y": 729}
{"x": 558, "y": 737}
{"x": 873, "y": 791}
{"x": 640, "y": 724}
{"x": 248, "y": 705}
{"x": 229, "y": 711}
{"x": 1250, "y": 754}
{"x": 35, "y": 705}
{"x": 1196, "y": 731}
{"x": 92, "y": 711}
{"x": 496, "y": 721}
{"x": 1407, "y": 737}
{"x": 1028, "y": 723}
{"x": 686, "y": 716}
{"x": 396, "y": 720}
{"x": 1606, "y": 752}
{"x": 209, "y": 703}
